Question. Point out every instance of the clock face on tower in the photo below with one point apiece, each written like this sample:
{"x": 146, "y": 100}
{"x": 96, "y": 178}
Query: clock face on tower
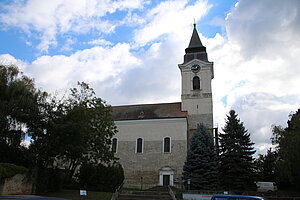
{"x": 195, "y": 68}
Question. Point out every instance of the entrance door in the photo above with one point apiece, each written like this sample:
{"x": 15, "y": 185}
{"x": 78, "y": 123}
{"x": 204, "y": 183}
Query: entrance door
{"x": 166, "y": 176}
{"x": 166, "y": 180}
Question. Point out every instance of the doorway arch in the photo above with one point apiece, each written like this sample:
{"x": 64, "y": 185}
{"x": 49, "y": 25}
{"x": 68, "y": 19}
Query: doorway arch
{"x": 166, "y": 176}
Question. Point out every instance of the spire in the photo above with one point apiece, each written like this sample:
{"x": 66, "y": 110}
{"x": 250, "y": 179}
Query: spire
{"x": 195, "y": 39}
{"x": 195, "y": 49}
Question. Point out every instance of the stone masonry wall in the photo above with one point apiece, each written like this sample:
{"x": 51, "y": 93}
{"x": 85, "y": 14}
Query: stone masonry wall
{"x": 16, "y": 185}
{"x": 148, "y": 164}
{"x": 206, "y": 119}
{"x": 193, "y": 120}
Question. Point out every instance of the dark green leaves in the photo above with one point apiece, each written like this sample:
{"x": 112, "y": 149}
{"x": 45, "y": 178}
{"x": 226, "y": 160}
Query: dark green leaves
{"x": 236, "y": 150}
{"x": 201, "y": 165}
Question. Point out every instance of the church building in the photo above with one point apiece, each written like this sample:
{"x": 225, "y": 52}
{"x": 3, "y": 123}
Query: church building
{"x": 152, "y": 139}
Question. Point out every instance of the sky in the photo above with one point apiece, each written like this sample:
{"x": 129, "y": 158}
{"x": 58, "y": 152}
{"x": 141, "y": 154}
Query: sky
{"x": 129, "y": 51}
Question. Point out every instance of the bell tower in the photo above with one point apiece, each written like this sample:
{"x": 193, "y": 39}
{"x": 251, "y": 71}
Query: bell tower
{"x": 196, "y": 75}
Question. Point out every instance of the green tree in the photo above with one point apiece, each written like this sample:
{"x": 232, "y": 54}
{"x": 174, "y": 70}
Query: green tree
{"x": 265, "y": 166}
{"x": 19, "y": 106}
{"x": 201, "y": 165}
{"x": 66, "y": 132}
{"x": 89, "y": 119}
{"x": 288, "y": 148}
{"x": 77, "y": 129}
{"x": 236, "y": 156}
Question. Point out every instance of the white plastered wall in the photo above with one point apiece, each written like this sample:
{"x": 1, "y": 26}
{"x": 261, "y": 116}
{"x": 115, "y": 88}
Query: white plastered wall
{"x": 152, "y": 129}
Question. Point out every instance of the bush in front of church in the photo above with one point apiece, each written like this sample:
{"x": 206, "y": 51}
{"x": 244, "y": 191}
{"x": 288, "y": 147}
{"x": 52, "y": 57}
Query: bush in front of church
{"x": 100, "y": 177}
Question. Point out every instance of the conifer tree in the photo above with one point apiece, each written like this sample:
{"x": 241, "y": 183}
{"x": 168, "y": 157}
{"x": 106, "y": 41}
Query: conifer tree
{"x": 201, "y": 165}
{"x": 236, "y": 156}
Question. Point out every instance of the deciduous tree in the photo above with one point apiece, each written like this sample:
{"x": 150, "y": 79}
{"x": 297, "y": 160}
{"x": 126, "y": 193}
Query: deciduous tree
{"x": 265, "y": 166}
{"x": 288, "y": 148}
{"x": 19, "y": 107}
{"x": 77, "y": 129}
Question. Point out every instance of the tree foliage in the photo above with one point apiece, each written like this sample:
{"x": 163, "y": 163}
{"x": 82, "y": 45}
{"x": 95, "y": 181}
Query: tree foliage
{"x": 236, "y": 151}
{"x": 288, "y": 149}
{"x": 8, "y": 170}
{"x": 19, "y": 106}
{"x": 265, "y": 166}
{"x": 64, "y": 132}
{"x": 76, "y": 130}
{"x": 201, "y": 165}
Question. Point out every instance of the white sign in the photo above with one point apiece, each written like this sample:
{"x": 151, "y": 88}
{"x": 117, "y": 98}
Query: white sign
{"x": 83, "y": 192}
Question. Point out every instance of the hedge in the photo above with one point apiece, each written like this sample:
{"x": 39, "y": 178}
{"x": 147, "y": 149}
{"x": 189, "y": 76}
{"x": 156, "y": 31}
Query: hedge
{"x": 8, "y": 170}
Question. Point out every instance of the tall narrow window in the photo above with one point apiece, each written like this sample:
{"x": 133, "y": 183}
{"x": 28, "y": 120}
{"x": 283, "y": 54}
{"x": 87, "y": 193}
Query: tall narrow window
{"x": 167, "y": 145}
{"x": 139, "y": 145}
{"x": 196, "y": 83}
{"x": 114, "y": 145}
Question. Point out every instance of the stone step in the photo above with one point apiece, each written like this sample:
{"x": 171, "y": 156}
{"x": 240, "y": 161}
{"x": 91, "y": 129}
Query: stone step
{"x": 133, "y": 198}
{"x": 144, "y": 195}
{"x": 146, "y": 192}
{"x": 158, "y": 188}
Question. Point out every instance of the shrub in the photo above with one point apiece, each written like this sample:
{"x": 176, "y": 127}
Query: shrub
{"x": 105, "y": 178}
{"x": 8, "y": 170}
{"x": 49, "y": 180}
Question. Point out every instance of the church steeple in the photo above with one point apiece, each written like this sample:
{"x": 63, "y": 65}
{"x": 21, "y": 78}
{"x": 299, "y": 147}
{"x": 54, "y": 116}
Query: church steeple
{"x": 195, "y": 49}
{"x": 196, "y": 92}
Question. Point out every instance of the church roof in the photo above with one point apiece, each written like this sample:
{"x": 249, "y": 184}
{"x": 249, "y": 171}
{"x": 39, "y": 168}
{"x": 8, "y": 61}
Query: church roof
{"x": 148, "y": 111}
{"x": 195, "y": 39}
{"x": 195, "y": 48}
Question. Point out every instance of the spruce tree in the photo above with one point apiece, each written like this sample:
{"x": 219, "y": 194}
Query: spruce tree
{"x": 201, "y": 165}
{"x": 236, "y": 156}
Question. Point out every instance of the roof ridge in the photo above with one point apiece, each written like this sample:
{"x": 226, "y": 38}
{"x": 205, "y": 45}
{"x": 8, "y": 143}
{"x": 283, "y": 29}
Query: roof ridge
{"x": 145, "y": 104}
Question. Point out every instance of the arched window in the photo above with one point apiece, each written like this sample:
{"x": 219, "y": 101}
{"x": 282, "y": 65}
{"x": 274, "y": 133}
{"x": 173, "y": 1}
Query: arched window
{"x": 139, "y": 145}
{"x": 114, "y": 145}
{"x": 196, "y": 83}
{"x": 167, "y": 145}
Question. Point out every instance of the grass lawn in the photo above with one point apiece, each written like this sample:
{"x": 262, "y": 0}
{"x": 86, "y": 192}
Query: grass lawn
{"x": 74, "y": 195}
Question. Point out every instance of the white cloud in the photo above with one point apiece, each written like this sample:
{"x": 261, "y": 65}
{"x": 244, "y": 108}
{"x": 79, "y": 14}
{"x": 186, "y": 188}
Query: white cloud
{"x": 169, "y": 17}
{"x": 68, "y": 44}
{"x": 7, "y": 59}
{"x": 47, "y": 20}
{"x": 256, "y": 70}
{"x": 98, "y": 64}
{"x": 100, "y": 42}
{"x": 117, "y": 73}
{"x": 266, "y": 29}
